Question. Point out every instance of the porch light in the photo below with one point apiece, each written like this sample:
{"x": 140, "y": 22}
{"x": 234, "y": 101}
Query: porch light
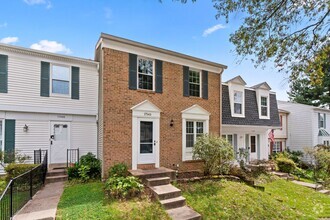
{"x": 171, "y": 123}
{"x": 25, "y": 128}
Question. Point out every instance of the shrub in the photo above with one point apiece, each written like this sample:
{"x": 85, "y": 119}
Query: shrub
{"x": 73, "y": 172}
{"x": 123, "y": 187}
{"x": 118, "y": 170}
{"x": 285, "y": 164}
{"x": 3, "y": 185}
{"x": 83, "y": 171}
{"x": 216, "y": 153}
{"x": 94, "y": 165}
{"x": 320, "y": 161}
{"x": 14, "y": 170}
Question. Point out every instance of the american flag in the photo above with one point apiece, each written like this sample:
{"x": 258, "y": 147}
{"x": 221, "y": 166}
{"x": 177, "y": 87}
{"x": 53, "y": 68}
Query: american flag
{"x": 271, "y": 136}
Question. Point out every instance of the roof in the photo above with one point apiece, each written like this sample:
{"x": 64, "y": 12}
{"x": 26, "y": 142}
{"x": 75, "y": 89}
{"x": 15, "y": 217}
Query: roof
{"x": 283, "y": 103}
{"x": 262, "y": 85}
{"x": 157, "y": 49}
{"x": 40, "y": 53}
{"x": 283, "y": 111}
{"x": 237, "y": 79}
{"x": 251, "y": 110}
{"x": 323, "y": 133}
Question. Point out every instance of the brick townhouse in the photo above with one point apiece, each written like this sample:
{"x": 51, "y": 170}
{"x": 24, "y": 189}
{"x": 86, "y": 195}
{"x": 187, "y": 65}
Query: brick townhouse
{"x": 153, "y": 104}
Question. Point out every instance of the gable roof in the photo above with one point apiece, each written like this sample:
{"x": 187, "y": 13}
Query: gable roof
{"x": 196, "y": 110}
{"x": 146, "y": 105}
{"x": 262, "y": 85}
{"x": 251, "y": 110}
{"x": 238, "y": 80}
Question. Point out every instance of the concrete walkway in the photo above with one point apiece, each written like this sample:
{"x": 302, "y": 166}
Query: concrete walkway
{"x": 44, "y": 203}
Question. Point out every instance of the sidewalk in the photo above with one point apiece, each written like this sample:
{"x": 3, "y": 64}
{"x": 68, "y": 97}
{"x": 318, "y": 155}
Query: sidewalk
{"x": 44, "y": 203}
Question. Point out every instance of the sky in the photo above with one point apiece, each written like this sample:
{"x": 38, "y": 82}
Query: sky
{"x": 73, "y": 28}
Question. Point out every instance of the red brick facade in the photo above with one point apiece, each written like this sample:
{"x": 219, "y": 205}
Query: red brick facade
{"x": 117, "y": 115}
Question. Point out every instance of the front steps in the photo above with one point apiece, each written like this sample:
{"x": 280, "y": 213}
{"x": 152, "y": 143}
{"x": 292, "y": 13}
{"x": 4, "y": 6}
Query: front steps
{"x": 158, "y": 180}
{"x": 56, "y": 175}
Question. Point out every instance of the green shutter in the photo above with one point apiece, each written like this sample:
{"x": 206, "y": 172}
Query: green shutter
{"x": 185, "y": 81}
{"x": 9, "y": 140}
{"x": 235, "y": 146}
{"x": 75, "y": 82}
{"x": 3, "y": 73}
{"x": 44, "y": 79}
{"x": 258, "y": 147}
{"x": 132, "y": 71}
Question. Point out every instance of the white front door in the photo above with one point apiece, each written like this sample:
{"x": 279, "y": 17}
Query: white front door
{"x": 59, "y": 141}
{"x": 253, "y": 147}
{"x": 148, "y": 136}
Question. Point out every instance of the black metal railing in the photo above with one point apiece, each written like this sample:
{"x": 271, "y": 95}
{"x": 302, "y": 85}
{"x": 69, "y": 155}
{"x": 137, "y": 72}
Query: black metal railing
{"x": 72, "y": 156}
{"x": 21, "y": 189}
{"x": 38, "y": 155}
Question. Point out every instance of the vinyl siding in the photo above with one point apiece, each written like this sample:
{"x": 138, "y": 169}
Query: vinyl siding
{"x": 84, "y": 137}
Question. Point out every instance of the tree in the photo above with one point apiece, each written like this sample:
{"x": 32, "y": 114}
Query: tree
{"x": 288, "y": 32}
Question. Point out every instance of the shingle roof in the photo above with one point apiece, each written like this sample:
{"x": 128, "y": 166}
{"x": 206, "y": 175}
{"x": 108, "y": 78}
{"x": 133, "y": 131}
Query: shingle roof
{"x": 251, "y": 110}
{"x": 323, "y": 133}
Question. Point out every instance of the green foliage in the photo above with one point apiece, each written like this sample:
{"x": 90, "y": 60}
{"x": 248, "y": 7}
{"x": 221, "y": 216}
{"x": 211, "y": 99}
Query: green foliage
{"x": 123, "y": 187}
{"x": 73, "y": 172}
{"x": 216, "y": 153}
{"x": 320, "y": 161}
{"x": 14, "y": 170}
{"x": 83, "y": 171}
{"x": 13, "y": 157}
{"x": 285, "y": 164}
{"x": 118, "y": 170}
{"x": 3, "y": 185}
{"x": 93, "y": 163}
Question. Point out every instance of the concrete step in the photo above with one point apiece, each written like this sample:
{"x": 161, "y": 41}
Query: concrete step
{"x": 164, "y": 192}
{"x": 317, "y": 187}
{"x": 154, "y": 173}
{"x": 325, "y": 191}
{"x": 56, "y": 172}
{"x": 54, "y": 179}
{"x": 183, "y": 213}
{"x": 173, "y": 203}
{"x": 158, "y": 181}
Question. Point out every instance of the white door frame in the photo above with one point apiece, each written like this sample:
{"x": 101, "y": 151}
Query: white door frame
{"x": 145, "y": 111}
{"x": 52, "y": 132}
{"x": 255, "y": 154}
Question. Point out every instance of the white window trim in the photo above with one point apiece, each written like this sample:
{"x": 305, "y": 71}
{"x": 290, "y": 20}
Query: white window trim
{"x": 267, "y": 105}
{"x": 226, "y": 137}
{"x": 322, "y": 115}
{"x": 243, "y": 104}
{"x": 153, "y": 73}
{"x": 51, "y": 81}
{"x": 279, "y": 147}
{"x": 263, "y": 93}
{"x": 200, "y": 82}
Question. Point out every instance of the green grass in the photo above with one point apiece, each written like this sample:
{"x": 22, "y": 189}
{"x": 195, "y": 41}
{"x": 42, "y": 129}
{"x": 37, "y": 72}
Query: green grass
{"x": 87, "y": 201}
{"x": 232, "y": 200}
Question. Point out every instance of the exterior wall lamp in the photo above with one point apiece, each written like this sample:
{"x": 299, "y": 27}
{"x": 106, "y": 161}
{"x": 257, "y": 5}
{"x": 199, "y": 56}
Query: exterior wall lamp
{"x": 25, "y": 128}
{"x": 171, "y": 123}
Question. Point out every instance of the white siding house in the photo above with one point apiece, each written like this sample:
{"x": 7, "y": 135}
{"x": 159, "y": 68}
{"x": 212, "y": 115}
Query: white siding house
{"x": 47, "y": 101}
{"x": 308, "y": 125}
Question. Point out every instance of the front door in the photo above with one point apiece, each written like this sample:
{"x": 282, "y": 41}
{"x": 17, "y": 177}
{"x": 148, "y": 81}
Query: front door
{"x": 59, "y": 141}
{"x": 253, "y": 147}
{"x": 147, "y": 141}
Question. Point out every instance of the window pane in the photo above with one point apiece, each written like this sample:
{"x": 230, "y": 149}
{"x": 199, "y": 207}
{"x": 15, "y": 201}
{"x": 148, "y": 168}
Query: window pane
{"x": 237, "y": 108}
{"x": 263, "y": 101}
{"x": 253, "y": 144}
{"x": 199, "y": 127}
{"x": 145, "y": 82}
{"x": 230, "y": 139}
{"x": 189, "y": 127}
{"x": 60, "y": 132}
{"x": 145, "y": 66}
{"x": 146, "y": 137}
{"x": 60, "y": 87}
{"x": 264, "y": 111}
{"x": 189, "y": 140}
{"x": 194, "y": 83}
{"x": 194, "y": 90}
{"x": 61, "y": 73}
{"x": 194, "y": 77}
{"x": 238, "y": 97}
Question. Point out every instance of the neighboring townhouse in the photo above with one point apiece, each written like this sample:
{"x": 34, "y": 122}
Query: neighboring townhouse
{"x": 47, "y": 101}
{"x": 248, "y": 113}
{"x": 308, "y": 125}
{"x": 280, "y": 134}
{"x": 153, "y": 104}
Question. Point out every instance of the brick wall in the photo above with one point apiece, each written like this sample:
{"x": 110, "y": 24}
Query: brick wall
{"x": 117, "y": 116}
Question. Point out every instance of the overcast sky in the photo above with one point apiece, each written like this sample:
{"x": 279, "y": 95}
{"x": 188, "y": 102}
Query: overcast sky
{"x": 73, "y": 27}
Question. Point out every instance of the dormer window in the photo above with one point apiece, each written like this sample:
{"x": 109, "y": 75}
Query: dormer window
{"x": 264, "y": 106}
{"x": 238, "y": 102}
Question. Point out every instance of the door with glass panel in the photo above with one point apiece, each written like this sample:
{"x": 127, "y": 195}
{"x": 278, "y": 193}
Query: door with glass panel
{"x": 253, "y": 147}
{"x": 59, "y": 141}
{"x": 147, "y": 141}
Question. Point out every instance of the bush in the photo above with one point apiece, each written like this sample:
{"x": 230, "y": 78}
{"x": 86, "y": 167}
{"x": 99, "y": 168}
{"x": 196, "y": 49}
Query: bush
{"x": 320, "y": 161}
{"x": 216, "y": 153}
{"x": 73, "y": 172}
{"x": 94, "y": 165}
{"x": 14, "y": 170}
{"x": 123, "y": 187}
{"x": 84, "y": 173}
{"x": 118, "y": 170}
{"x": 3, "y": 185}
{"x": 285, "y": 165}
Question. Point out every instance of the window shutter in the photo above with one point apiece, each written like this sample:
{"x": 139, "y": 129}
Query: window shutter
{"x": 281, "y": 148}
{"x": 75, "y": 82}
{"x": 325, "y": 121}
{"x": 132, "y": 79}
{"x": 205, "y": 89}
{"x": 258, "y": 146}
{"x": 235, "y": 146}
{"x": 159, "y": 76}
{"x": 319, "y": 119}
{"x": 247, "y": 143}
{"x": 44, "y": 81}
{"x": 3, "y": 73}
{"x": 185, "y": 81}
{"x": 9, "y": 140}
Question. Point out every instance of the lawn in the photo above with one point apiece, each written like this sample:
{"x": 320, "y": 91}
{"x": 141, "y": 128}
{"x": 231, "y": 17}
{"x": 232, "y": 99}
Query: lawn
{"x": 87, "y": 201}
{"x": 233, "y": 200}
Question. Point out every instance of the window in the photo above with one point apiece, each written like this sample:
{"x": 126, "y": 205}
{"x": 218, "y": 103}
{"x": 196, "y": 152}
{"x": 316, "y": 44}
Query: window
{"x": 194, "y": 83}
{"x": 194, "y": 129}
{"x": 321, "y": 122}
{"x": 229, "y": 138}
{"x": 145, "y": 73}
{"x": 238, "y": 102}
{"x": 264, "y": 106}
{"x": 1, "y": 136}
{"x": 277, "y": 145}
{"x": 253, "y": 144}
{"x": 281, "y": 122}
{"x": 326, "y": 143}
{"x": 60, "y": 80}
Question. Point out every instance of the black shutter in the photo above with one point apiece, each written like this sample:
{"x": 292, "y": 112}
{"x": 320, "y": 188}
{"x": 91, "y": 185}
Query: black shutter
{"x": 9, "y": 140}
{"x": 185, "y": 81}
{"x": 159, "y": 76}
{"x": 75, "y": 82}
{"x": 319, "y": 119}
{"x": 205, "y": 88}
{"x": 44, "y": 81}
{"x": 132, "y": 79}
{"x": 3, "y": 73}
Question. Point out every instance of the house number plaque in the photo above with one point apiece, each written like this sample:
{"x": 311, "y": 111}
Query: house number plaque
{"x": 147, "y": 114}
